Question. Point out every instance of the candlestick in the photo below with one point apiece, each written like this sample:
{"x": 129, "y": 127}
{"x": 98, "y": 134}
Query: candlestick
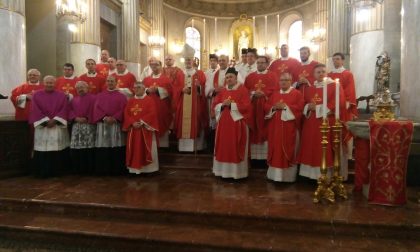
{"x": 324, "y": 98}
{"x": 336, "y": 184}
{"x": 337, "y": 99}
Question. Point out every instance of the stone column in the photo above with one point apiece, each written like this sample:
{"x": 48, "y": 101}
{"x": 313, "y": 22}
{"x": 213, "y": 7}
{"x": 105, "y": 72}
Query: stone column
{"x": 86, "y": 41}
{"x": 321, "y": 17}
{"x": 410, "y": 59}
{"x": 392, "y": 40}
{"x": 12, "y": 50}
{"x": 130, "y": 36}
{"x": 156, "y": 13}
{"x": 366, "y": 43}
{"x": 338, "y": 30}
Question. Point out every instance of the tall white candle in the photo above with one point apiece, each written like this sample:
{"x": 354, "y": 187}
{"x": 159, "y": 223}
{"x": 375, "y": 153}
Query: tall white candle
{"x": 324, "y": 98}
{"x": 265, "y": 28}
{"x": 337, "y": 98}
{"x": 204, "y": 34}
{"x": 254, "y": 39}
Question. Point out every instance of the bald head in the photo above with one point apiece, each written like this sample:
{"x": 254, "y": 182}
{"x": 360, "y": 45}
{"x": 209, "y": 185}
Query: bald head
{"x": 223, "y": 61}
{"x": 104, "y": 56}
{"x": 169, "y": 60}
{"x": 34, "y": 75}
{"x": 121, "y": 66}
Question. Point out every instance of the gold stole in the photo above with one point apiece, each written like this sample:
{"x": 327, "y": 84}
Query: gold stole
{"x": 187, "y": 109}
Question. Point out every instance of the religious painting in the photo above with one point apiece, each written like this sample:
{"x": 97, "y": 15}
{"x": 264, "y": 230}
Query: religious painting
{"x": 242, "y": 35}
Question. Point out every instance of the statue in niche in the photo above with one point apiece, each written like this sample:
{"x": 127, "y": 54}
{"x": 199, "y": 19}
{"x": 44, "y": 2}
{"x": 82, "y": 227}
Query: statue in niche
{"x": 243, "y": 41}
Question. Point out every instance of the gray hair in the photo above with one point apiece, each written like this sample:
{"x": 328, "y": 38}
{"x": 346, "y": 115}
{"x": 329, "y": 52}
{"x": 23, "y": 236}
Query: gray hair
{"x": 34, "y": 70}
{"x": 81, "y": 84}
{"x": 47, "y": 77}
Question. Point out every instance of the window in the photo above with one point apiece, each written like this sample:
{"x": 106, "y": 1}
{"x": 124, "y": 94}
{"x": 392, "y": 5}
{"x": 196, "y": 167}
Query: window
{"x": 192, "y": 38}
{"x": 294, "y": 39}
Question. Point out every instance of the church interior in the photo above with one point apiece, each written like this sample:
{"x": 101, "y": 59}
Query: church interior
{"x": 183, "y": 206}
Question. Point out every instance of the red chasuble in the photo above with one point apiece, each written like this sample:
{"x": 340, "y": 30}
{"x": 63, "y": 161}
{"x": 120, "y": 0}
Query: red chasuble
{"x": 95, "y": 82}
{"x": 162, "y": 104}
{"x": 268, "y": 83}
{"x": 290, "y": 65}
{"x": 306, "y": 71}
{"x": 68, "y": 86}
{"x": 191, "y": 114}
{"x": 310, "y": 144}
{"x": 22, "y": 114}
{"x": 126, "y": 80}
{"x": 102, "y": 69}
{"x": 230, "y": 139}
{"x": 176, "y": 76}
{"x": 139, "y": 141}
{"x": 347, "y": 81}
{"x": 282, "y": 133}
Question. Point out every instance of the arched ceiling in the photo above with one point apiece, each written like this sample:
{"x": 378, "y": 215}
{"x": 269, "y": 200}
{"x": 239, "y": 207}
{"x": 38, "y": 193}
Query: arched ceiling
{"x": 232, "y": 8}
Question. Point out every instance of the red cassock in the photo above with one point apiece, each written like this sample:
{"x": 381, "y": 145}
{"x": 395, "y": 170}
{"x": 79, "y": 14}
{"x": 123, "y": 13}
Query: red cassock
{"x": 347, "y": 82}
{"x": 102, "y": 69}
{"x": 176, "y": 76}
{"x": 310, "y": 147}
{"x": 230, "y": 139}
{"x": 267, "y": 83}
{"x": 163, "y": 105}
{"x": 96, "y": 83}
{"x": 139, "y": 141}
{"x": 291, "y": 65}
{"x": 22, "y": 114}
{"x": 66, "y": 85}
{"x": 307, "y": 72}
{"x": 282, "y": 134}
{"x": 199, "y": 115}
{"x": 126, "y": 80}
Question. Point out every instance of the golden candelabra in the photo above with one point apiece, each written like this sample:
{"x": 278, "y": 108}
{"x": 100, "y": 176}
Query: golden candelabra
{"x": 323, "y": 191}
{"x": 337, "y": 180}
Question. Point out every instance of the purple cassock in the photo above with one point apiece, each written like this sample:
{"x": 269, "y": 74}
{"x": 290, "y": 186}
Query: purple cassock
{"x": 48, "y": 105}
{"x": 82, "y": 106}
{"x": 109, "y": 103}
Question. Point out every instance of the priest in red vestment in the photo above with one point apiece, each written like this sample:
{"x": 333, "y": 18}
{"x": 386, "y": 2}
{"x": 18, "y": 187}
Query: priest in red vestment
{"x": 158, "y": 87}
{"x": 231, "y": 108}
{"x": 95, "y": 81}
{"x": 125, "y": 79}
{"x": 102, "y": 68}
{"x": 22, "y": 95}
{"x": 285, "y": 64}
{"x": 67, "y": 82}
{"x": 141, "y": 124}
{"x": 305, "y": 71}
{"x": 260, "y": 84}
{"x": 283, "y": 113}
{"x": 309, "y": 155}
{"x": 191, "y": 118}
{"x": 176, "y": 76}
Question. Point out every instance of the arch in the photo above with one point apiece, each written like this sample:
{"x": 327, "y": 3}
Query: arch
{"x": 286, "y": 23}
{"x": 243, "y": 24}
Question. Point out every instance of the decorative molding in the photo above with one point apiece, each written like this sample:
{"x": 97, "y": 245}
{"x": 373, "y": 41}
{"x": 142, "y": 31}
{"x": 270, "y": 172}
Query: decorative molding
{"x": 145, "y": 24}
{"x": 17, "y": 6}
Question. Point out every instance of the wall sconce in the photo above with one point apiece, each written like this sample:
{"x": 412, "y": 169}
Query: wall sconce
{"x": 317, "y": 34}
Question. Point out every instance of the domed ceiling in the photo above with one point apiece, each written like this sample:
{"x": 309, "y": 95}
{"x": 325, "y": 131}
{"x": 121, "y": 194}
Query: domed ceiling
{"x": 233, "y": 8}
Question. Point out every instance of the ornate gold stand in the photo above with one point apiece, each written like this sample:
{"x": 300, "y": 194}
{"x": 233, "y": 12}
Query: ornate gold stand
{"x": 337, "y": 180}
{"x": 323, "y": 190}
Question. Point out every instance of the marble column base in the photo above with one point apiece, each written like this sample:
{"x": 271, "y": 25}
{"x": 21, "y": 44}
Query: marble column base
{"x": 12, "y": 55}
{"x": 80, "y": 52}
{"x": 364, "y": 48}
{"x": 134, "y": 68}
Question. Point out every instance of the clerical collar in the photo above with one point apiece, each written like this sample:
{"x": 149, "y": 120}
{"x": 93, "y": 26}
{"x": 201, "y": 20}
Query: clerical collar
{"x": 124, "y": 73}
{"x": 263, "y": 72}
{"x": 233, "y": 87}
{"x": 287, "y": 91}
{"x": 30, "y": 83}
{"x": 190, "y": 71}
{"x": 284, "y": 58}
{"x": 91, "y": 74}
{"x": 156, "y": 76}
{"x": 338, "y": 70}
{"x": 306, "y": 62}
{"x": 320, "y": 84}
{"x": 70, "y": 78}
{"x": 140, "y": 97}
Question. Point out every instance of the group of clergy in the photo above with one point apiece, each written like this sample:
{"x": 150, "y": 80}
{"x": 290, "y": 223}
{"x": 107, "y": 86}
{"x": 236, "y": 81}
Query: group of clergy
{"x": 256, "y": 109}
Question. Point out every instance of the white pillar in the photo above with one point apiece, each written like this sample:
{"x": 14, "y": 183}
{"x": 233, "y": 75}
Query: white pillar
{"x": 130, "y": 36}
{"x": 366, "y": 43}
{"x": 410, "y": 59}
{"x": 86, "y": 41}
{"x": 321, "y": 17}
{"x": 12, "y": 49}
